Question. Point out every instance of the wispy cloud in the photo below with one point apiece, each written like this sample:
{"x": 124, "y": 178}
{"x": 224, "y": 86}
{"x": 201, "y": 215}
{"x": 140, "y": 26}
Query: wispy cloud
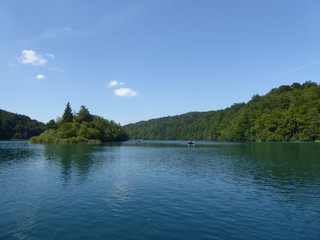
{"x": 57, "y": 69}
{"x": 122, "y": 16}
{"x": 125, "y": 92}
{"x": 32, "y": 58}
{"x": 40, "y": 76}
{"x": 55, "y": 34}
{"x": 297, "y": 68}
{"x": 50, "y": 55}
{"x": 114, "y": 83}
{"x": 13, "y": 64}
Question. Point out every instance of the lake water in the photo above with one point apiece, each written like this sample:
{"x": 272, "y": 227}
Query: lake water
{"x": 160, "y": 190}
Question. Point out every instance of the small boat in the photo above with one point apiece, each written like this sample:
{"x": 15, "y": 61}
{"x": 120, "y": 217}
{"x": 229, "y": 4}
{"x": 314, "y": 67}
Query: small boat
{"x": 190, "y": 142}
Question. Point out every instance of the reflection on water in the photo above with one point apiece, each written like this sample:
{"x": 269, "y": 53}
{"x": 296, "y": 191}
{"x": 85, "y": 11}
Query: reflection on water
{"x": 279, "y": 165}
{"x": 78, "y": 158}
{"x": 117, "y": 195}
{"x": 17, "y": 150}
{"x": 160, "y": 189}
{"x": 70, "y": 158}
{"x": 284, "y": 163}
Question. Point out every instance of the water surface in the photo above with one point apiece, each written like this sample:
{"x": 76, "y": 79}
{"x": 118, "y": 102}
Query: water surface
{"x": 160, "y": 190}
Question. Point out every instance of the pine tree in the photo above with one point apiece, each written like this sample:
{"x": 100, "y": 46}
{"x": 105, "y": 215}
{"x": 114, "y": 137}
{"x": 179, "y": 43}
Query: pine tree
{"x": 67, "y": 115}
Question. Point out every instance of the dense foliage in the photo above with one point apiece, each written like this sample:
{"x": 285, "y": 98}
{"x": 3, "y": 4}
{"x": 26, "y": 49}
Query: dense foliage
{"x": 16, "y": 126}
{"x": 82, "y": 127}
{"x": 287, "y": 113}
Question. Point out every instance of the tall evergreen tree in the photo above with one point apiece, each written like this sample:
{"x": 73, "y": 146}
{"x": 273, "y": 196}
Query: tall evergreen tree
{"x": 67, "y": 115}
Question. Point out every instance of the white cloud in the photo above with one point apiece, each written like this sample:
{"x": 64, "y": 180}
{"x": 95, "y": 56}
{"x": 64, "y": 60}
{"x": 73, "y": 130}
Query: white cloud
{"x": 125, "y": 92}
{"x": 115, "y": 83}
{"x": 31, "y": 57}
{"x": 40, "y": 76}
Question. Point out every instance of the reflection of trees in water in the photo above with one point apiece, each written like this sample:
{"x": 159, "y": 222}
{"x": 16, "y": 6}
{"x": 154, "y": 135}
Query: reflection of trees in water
{"x": 76, "y": 159}
{"x": 281, "y": 165}
{"x": 17, "y": 150}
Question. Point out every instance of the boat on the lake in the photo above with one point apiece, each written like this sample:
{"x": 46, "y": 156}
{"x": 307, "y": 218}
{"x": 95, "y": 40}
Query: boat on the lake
{"x": 190, "y": 142}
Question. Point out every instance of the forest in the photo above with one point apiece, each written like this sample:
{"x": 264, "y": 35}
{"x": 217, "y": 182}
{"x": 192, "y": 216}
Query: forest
{"x": 16, "y": 126}
{"x": 81, "y": 127}
{"x": 285, "y": 114}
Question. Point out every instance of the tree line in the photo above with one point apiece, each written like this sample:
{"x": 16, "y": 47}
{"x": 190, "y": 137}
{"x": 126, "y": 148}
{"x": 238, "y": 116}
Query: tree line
{"x": 286, "y": 113}
{"x": 80, "y": 127}
{"x": 16, "y": 126}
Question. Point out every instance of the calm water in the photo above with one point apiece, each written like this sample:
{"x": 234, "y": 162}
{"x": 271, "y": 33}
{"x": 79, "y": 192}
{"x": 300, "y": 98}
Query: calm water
{"x": 160, "y": 190}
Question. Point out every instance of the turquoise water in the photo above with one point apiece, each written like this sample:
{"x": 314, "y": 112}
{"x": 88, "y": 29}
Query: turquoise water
{"x": 160, "y": 190}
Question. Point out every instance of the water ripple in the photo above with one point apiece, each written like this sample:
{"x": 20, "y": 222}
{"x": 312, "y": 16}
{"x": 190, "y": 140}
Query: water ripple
{"x": 159, "y": 190}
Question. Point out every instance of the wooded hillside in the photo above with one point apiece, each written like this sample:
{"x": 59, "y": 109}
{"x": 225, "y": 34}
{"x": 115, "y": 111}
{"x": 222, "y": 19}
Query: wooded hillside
{"x": 287, "y": 113}
{"x": 16, "y": 126}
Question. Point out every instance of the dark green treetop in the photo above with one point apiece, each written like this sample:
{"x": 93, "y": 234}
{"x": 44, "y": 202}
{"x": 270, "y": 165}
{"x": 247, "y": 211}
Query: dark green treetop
{"x": 51, "y": 124}
{"x": 67, "y": 115}
{"x": 84, "y": 115}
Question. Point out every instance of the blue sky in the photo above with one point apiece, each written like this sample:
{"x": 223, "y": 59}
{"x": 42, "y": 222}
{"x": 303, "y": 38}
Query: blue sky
{"x": 129, "y": 61}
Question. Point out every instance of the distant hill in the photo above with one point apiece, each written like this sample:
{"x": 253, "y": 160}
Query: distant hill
{"x": 286, "y": 113}
{"x": 16, "y": 126}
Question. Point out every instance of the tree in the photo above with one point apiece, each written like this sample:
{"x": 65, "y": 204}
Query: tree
{"x": 18, "y": 126}
{"x": 84, "y": 115}
{"x": 286, "y": 113}
{"x": 67, "y": 115}
{"x": 51, "y": 125}
{"x": 83, "y": 128}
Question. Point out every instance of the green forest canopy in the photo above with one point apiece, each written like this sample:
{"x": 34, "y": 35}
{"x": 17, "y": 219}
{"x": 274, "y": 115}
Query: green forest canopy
{"x": 287, "y": 113}
{"x": 16, "y": 126}
{"x": 82, "y": 127}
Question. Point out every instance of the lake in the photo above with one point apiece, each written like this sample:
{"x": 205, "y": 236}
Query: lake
{"x": 160, "y": 190}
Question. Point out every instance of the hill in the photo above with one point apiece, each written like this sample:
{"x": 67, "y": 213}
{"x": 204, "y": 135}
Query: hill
{"x": 16, "y": 126}
{"x": 286, "y": 113}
